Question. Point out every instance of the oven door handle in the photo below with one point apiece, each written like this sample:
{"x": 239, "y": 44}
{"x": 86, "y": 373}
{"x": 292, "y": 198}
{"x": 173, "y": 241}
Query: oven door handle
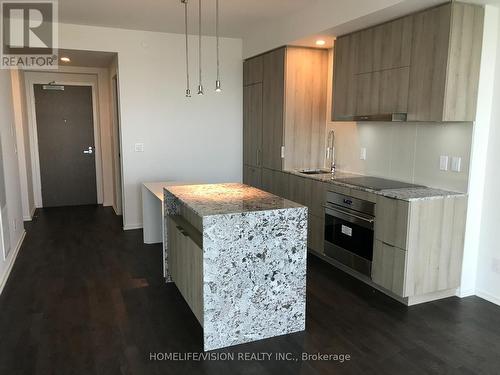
{"x": 369, "y": 221}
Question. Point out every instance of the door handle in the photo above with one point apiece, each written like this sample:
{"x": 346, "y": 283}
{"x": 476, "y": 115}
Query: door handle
{"x": 90, "y": 150}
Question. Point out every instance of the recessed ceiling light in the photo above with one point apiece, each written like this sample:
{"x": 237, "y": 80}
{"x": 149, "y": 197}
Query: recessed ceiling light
{"x": 320, "y": 42}
{"x": 65, "y": 59}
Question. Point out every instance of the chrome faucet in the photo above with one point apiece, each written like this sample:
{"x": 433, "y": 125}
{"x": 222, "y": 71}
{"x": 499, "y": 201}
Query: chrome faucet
{"x": 330, "y": 151}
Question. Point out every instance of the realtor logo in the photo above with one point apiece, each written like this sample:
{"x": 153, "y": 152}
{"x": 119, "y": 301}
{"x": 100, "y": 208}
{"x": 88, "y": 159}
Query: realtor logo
{"x": 29, "y": 34}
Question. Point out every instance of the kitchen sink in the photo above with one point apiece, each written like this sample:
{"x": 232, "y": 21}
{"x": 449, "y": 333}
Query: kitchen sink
{"x": 314, "y": 171}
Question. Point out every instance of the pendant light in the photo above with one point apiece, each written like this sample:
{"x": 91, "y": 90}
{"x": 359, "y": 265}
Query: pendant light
{"x": 200, "y": 86}
{"x": 188, "y": 91}
{"x": 217, "y": 81}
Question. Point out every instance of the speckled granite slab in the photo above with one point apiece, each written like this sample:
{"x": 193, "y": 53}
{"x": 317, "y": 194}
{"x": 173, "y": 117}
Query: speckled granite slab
{"x": 406, "y": 194}
{"x": 254, "y": 261}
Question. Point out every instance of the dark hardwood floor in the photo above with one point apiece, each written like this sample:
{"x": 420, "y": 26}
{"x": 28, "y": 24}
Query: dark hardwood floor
{"x": 84, "y": 297}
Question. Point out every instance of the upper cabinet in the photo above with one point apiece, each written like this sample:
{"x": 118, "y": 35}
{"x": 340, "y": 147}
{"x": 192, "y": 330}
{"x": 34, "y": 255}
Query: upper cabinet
{"x": 423, "y": 67}
{"x": 253, "y": 71}
{"x": 284, "y": 108}
{"x": 446, "y": 54}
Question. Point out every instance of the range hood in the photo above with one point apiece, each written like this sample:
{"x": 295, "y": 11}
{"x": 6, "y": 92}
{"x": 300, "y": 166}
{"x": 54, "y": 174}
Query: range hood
{"x": 386, "y": 117}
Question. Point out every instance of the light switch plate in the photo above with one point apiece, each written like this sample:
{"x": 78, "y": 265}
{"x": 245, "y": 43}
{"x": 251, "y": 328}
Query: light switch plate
{"x": 456, "y": 164}
{"x": 362, "y": 153}
{"x": 443, "y": 163}
{"x": 496, "y": 265}
{"x": 139, "y": 147}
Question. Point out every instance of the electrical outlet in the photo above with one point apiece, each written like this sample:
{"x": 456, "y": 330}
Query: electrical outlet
{"x": 496, "y": 265}
{"x": 443, "y": 163}
{"x": 362, "y": 153}
{"x": 456, "y": 164}
{"x": 139, "y": 147}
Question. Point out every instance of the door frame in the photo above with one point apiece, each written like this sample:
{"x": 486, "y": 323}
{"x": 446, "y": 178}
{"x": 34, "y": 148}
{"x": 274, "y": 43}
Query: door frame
{"x": 91, "y": 81}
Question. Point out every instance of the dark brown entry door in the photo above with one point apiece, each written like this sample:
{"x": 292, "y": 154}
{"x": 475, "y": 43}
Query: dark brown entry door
{"x": 66, "y": 145}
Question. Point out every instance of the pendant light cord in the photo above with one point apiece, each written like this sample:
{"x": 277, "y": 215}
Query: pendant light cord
{"x": 199, "y": 40}
{"x": 217, "y": 36}
{"x": 187, "y": 54}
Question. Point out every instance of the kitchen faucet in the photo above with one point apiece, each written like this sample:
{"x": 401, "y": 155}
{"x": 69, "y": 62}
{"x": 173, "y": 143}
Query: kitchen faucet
{"x": 330, "y": 151}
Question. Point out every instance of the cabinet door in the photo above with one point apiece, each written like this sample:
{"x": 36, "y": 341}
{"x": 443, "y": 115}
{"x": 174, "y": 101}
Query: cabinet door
{"x": 253, "y": 71}
{"x": 252, "y": 176}
{"x": 389, "y": 267}
{"x": 252, "y": 124}
{"x": 385, "y": 46}
{"x": 391, "y": 221}
{"x": 382, "y": 92}
{"x": 315, "y": 233}
{"x": 315, "y": 196}
{"x": 275, "y": 182}
{"x": 297, "y": 189}
{"x": 305, "y": 103}
{"x": 273, "y": 102}
{"x": 428, "y": 64}
{"x": 344, "y": 85}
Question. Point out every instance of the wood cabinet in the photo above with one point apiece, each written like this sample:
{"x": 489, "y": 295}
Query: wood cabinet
{"x": 305, "y": 108}
{"x": 252, "y": 125}
{"x": 446, "y": 54}
{"x": 315, "y": 233}
{"x": 389, "y": 267}
{"x": 371, "y": 71}
{"x": 275, "y": 182}
{"x": 186, "y": 263}
{"x": 344, "y": 84}
{"x": 425, "y": 65}
{"x": 273, "y": 96}
{"x": 252, "y": 176}
{"x": 419, "y": 245}
{"x": 253, "y": 71}
{"x": 290, "y": 100}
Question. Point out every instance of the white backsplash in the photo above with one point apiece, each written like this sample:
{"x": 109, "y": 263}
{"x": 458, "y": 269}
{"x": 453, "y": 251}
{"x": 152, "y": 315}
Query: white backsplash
{"x": 405, "y": 151}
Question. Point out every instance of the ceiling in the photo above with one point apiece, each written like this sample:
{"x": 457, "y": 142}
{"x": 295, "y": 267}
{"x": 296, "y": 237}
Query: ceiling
{"x": 237, "y": 17}
{"x": 88, "y": 59}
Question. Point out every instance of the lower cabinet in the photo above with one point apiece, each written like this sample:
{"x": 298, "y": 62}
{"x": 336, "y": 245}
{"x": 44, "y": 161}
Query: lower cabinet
{"x": 389, "y": 267}
{"x": 186, "y": 265}
{"x": 275, "y": 182}
{"x": 252, "y": 176}
{"x": 315, "y": 233}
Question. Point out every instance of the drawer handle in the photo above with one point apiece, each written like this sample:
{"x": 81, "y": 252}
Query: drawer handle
{"x": 183, "y": 231}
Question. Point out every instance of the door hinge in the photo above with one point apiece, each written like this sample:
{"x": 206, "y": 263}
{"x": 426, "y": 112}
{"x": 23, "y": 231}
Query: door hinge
{"x": 282, "y": 152}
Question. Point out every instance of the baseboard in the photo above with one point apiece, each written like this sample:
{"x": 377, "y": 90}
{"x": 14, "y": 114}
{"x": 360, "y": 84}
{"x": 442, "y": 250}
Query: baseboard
{"x": 132, "y": 226}
{"x": 465, "y": 293}
{"x": 12, "y": 260}
{"x": 488, "y": 297}
{"x": 32, "y": 213}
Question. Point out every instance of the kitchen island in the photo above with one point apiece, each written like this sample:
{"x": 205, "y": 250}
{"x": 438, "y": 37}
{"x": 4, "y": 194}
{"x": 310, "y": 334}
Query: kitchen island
{"x": 238, "y": 256}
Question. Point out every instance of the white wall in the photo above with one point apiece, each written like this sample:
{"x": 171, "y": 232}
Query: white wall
{"x": 11, "y": 176}
{"x": 488, "y": 270}
{"x": 184, "y": 139}
{"x": 479, "y": 157}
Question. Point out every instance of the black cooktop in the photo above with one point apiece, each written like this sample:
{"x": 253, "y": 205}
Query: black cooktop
{"x": 376, "y": 183}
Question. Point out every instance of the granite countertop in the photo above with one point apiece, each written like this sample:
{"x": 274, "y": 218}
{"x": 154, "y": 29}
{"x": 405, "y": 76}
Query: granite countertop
{"x": 406, "y": 194}
{"x": 219, "y": 199}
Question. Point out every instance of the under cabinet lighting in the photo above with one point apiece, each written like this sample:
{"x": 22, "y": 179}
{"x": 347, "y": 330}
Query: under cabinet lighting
{"x": 65, "y": 59}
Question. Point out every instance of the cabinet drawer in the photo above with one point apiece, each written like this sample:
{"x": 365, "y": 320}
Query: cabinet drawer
{"x": 391, "y": 221}
{"x": 389, "y": 267}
